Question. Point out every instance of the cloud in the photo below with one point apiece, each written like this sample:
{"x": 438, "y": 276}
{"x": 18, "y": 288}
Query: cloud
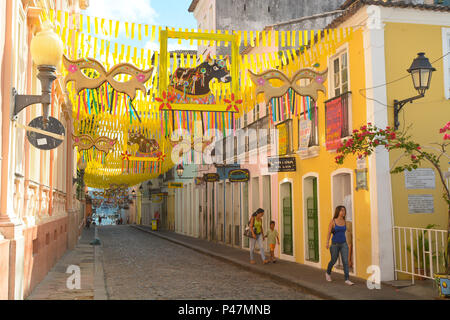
{"x": 139, "y": 11}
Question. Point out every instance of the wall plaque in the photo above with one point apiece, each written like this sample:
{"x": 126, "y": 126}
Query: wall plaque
{"x": 420, "y": 203}
{"x": 281, "y": 164}
{"x": 423, "y": 178}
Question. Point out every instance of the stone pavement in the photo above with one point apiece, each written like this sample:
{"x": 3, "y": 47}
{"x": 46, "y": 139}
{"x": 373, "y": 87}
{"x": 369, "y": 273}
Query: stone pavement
{"x": 85, "y": 256}
{"x": 140, "y": 266}
{"x": 311, "y": 280}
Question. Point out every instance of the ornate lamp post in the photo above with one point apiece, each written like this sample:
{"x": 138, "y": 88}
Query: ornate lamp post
{"x": 46, "y": 51}
{"x": 421, "y": 71}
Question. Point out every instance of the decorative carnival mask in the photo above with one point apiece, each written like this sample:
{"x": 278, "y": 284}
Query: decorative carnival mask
{"x": 85, "y": 142}
{"x": 263, "y": 85}
{"x": 81, "y": 81}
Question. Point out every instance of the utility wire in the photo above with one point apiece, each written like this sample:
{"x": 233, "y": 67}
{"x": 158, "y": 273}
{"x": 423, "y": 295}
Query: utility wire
{"x": 385, "y": 84}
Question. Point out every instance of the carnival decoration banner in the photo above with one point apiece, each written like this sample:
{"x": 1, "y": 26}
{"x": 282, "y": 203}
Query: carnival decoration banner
{"x": 139, "y": 97}
{"x": 333, "y": 114}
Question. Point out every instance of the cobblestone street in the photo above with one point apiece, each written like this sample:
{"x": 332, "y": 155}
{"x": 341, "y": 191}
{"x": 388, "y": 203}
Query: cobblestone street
{"x": 138, "y": 265}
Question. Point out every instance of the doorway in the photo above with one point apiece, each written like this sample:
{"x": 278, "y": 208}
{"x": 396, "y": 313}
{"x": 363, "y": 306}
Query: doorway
{"x": 343, "y": 196}
{"x": 245, "y": 213}
{"x": 311, "y": 216}
{"x": 286, "y": 205}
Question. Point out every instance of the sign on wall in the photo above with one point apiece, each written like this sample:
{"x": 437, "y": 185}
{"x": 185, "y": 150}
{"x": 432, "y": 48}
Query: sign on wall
{"x": 211, "y": 177}
{"x": 304, "y": 134}
{"x": 333, "y": 123}
{"x": 283, "y": 138}
{"x": 281, "y": 164}
{"x": 239, "y": 175}
{"x": 175, "y": 185}
{"x": 423, "y": 178}
{"x": 420, "y": 203}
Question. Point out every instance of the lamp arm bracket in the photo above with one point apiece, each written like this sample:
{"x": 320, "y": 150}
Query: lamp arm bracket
{"x": 401, "y": 103}
{"x": 21, "y": 101}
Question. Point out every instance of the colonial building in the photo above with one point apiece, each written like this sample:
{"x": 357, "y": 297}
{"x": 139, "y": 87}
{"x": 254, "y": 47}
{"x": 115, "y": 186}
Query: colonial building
{"x": 40, "y": 218}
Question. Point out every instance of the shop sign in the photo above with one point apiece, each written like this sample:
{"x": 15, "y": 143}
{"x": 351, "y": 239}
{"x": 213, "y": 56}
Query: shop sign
{"x": 211, "y": 177}
{"x": 239, "y": 175}
{"x": 199, "y": 181}
{"x": 282, "y": 164}
{"x": 283, "y": 138}
{"x": 175, "y": 185}
{"x": 333, "y": 123}
{"x": 304, "y": 134}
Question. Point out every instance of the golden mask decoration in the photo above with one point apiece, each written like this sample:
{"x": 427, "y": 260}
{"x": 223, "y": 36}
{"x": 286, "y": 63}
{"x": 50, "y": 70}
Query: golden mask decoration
{"x": 77, "y": 73}
{"x": 264, "y": 85}
{"x": 86, "y": 142}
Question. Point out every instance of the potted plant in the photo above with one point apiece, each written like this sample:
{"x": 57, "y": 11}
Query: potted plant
{"x": 364, "y": 141}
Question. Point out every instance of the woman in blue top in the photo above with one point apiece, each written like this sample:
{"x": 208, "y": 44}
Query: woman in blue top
{"x": 338, "y": 243}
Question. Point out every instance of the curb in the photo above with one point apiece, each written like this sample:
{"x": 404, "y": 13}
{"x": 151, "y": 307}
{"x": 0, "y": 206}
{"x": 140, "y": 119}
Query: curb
{"x": 246, "y": 266}
{"x": 100, "y": 292}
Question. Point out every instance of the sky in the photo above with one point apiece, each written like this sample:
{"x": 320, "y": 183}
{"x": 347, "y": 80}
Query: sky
{"x": 171, "y": 13}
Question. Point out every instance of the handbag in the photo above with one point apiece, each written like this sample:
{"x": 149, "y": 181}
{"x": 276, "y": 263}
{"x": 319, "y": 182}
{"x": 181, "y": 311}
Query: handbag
{"x": 248, "y": 232}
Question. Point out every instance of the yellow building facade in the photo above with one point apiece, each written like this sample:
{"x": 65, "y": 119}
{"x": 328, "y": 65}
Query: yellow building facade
{"x": 380, "y": 50}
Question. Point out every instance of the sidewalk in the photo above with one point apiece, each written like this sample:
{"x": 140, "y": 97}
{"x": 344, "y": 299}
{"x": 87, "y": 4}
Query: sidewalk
{"x": 85, "y": 256}
{"x": 309, "y": 279}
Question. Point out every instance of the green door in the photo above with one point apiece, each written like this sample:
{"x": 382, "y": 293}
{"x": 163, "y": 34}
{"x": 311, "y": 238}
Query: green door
{"x": 287, "y": 224}
{"x": 313, "y": 225}
{"x": 245, "y": 211}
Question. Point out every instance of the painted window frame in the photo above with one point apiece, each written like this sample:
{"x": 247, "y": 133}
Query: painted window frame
{"x": 446, "y": 61}
{"x": 338, "y": 56}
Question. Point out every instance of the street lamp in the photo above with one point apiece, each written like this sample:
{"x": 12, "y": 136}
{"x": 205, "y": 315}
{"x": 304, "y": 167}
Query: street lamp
{"x": 421, "y": 71}
{"x": 46, "y": 51}
{"x": 180, "y": 170}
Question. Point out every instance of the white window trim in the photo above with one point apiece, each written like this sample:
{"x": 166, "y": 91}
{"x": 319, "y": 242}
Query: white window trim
{"x": 445, "y": 49}
{"x": 280, "y": 222}
{"x": 342, "y": 49}
{"x": 305, "y": 221}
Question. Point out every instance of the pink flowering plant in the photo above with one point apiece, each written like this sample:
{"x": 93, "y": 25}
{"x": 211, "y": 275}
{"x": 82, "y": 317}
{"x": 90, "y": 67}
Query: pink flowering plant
{"x": 365, "y": 140}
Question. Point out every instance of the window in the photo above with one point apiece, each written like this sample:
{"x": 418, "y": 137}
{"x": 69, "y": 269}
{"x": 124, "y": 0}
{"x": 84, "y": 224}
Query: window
{"x": 446, "y": 50}
{"x": 263, "y": 132}
{"x": 340, "y": 74}
{"x": 284, "y": 130}
{"x": 309, "y": 128}
{"x": 338, "y": 120}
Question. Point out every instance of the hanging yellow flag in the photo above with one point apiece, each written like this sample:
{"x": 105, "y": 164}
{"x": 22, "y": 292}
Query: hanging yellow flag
{"x": 117, "y": 29}
{"x": 96, "y": 25}
{"x": 252, "y": 39}
{"x": 264, "y": 38}
{"x": 126, "y": 30}
{"x": 277, "y": 39}
{"x": 132, "y": 30}
{"x": 257, "y": 38}
{"x": 139, "y": 31}
{"x": 245, "y": 39}
{"x": 226, "y": 42}
{"x": 288, "y": 40}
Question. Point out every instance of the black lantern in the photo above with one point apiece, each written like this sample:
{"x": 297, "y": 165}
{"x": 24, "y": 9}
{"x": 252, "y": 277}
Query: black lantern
{"x": 421, "y": 71}
{"x": 133, "y": 194}
{"x": 180, "y": 170}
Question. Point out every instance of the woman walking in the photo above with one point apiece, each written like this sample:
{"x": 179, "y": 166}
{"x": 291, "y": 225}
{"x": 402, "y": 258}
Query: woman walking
{"x": 258, "y": 235}
{"x": 338, "y": 243}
